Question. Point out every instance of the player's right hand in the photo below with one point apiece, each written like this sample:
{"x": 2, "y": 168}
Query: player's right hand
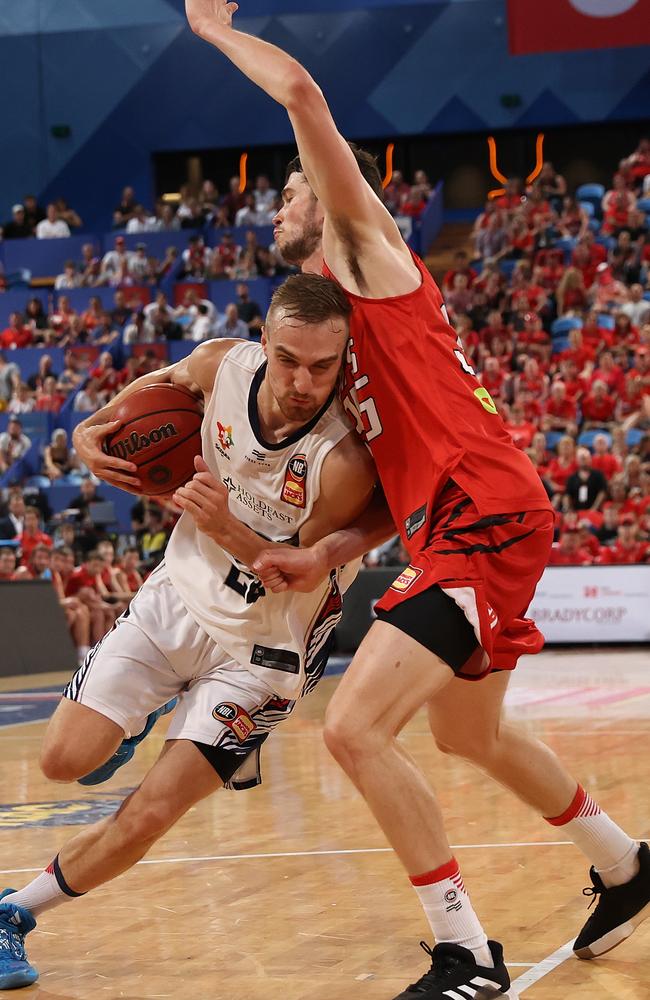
{"x": 88, "y": 440}
{"x": 283, "y": 569}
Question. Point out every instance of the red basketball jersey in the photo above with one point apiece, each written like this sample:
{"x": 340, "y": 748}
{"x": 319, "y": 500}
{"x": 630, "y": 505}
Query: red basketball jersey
{"x": 417, "y": 402}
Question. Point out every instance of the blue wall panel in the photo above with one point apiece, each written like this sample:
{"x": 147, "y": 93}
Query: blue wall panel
{"x": 130, "y": 79}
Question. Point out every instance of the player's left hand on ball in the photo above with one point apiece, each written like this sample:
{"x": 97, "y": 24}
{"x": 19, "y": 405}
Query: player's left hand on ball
{"x": 202, "y": 13}
{"x": 205, "y": 498}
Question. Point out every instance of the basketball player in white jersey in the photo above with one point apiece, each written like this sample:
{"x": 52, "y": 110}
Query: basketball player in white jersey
{"x": 202, "y": 627}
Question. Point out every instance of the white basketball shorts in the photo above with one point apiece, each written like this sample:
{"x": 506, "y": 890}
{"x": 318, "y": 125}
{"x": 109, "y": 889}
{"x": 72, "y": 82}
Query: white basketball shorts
{"x": 156, "y": 652}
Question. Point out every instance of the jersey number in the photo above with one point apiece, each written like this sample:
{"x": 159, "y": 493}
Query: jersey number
{"x": 245, "y": 584}
{"x": 371, "y": 426}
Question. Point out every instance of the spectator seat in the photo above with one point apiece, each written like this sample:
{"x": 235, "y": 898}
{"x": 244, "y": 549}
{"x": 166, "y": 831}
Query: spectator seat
{"x": 592, "y": 193}
{"x": 586, "y": 439}
{"x": 553, "y": 438}
{"x": 507, "y": 267}
{"x": 560, "y": 327}
{"x": 606, "y": 322}
{"x": 634, "y": 437}
{"x": 588, "y": 207}
{"x": 643, "y": 204}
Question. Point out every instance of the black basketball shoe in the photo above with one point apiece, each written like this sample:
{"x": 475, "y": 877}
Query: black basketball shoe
{"x": 619, "y": 912}
{"x": 454, "y": 973}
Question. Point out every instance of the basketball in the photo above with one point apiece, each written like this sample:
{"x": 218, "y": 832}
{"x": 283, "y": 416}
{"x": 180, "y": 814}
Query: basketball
{"x": 161, "y": 434}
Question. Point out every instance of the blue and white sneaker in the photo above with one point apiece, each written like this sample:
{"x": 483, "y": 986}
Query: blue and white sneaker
{"x": 15, "y": 923}
{"x": 126, "y": 749}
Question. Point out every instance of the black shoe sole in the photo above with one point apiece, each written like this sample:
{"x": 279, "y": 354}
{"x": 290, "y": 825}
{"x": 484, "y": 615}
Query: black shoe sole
{"x": 614, "y": 937}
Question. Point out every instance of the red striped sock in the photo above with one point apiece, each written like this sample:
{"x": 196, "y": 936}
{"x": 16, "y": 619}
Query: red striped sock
{"x": 449, "y": 910}
{"x": 612, "y": 853}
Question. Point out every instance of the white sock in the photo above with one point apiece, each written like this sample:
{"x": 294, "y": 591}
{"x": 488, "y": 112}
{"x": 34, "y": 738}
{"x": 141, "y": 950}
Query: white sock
{"x": 450, "y": 912}
{"x": 47, "y": 890}
{"x": 613, "y": 854}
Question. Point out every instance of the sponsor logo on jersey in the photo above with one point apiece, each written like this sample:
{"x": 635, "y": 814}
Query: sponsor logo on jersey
{"x": 135, "y": 442}
{"x": 415, "y": 521}
{"x": 294, "y": 490}
{"x": 485, "y": 399}
{"x": 258, "y": 506}
{"x": 225, "y": 441}
{"x": 235, "y": 718}
{"x": 406, "y": 579}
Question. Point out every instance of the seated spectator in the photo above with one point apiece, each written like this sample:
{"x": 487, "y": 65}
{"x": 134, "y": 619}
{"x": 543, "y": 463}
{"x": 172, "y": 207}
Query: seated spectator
{"x": 130, "y": 577}
{"x": 573, "y": 222}
{"x": 154, "y": 540}
{"x": 636, "y": 308}
{"x": 168, "y": 266}
{"x": 7, "y": 562}
{"x": 52, "y": 226}
{"x": 94, "y": 314}
{"x": 539, "y": 214}
{"x": 209, "y": 197}
{"x": 23, "y": 400}
{"x": 632, "y": 473}
{"x": 115, "y": 265}
{"x": 141, "y": 267}
{"x": 49, "y": 398}
{"x": 395, "y": 192}
{"x": 224, "y": 256}
{"x": 189, "y": 309}
{"x": 17, "y": 334}
{"x": 563, "y": 466}
{"x": 628, "y": 549}
{"x": 12, "y": 523}
{"x": 109, "y": 379}
{"x": 111, "y": 578}
{"x": 468, "y": 336}
{"x": 13, "y": 444}
{"x": 248, "y": 310}
{"x": 139, "y": 330}
{"x": 248, "y": 214}
{"x": 121, "y": 311}
{"x": 70, "y": 378}
{"x": 551, "y": 184}
{"x": 89, "y": 399}
{"x": 126, "y": 208}
{"x": 166, "y": 220}
{"x": 90, "y": 266}
{"x": 608, "y": 530}
{"x": 9, "y": 375}
{"x": 70, "y": 278}
{"x": 617, "y": 203}
{"x": 231, "y": 326}
{"x": 520, "y": 240}
{"x": 64, "y": 321}
{"x": 514, "y": 197}
{"x": 520, "y": 430}
{"x": 602, "y": 458}
{"x": 86, "y": 584}
{"x": 560, "y": 412}
{"x": 637, "y": 166}
{"x": 494, "y": 379}
{"x": 59, "y": 459}
{"x": 202, "y": 328}
{"x": 610, "y": 373}
{"x": 265, "y": 199}
{"x": 19, "y": 228}
{"x": 461, "y": 266}
{"x": 597, "y": 407}
{"x": 586, "y": 488}
{"x": 461, "y": 298}
{"x": 76, "y": 613}
{"x": 68, "y": 215}
{"x": 568, "y": 551}
{"x": 33, "y": 211}
{"x": 571, "y": 294}
{"x": 491, "y": 241}
{"x": 197, "y": 259}
{"x": 532, "y": 380}
{"x": 37, "y": 566}
{"x": 141, "y": 221}
{"x": 587, "y": 539}
{"x": 580, "y": 353}
{"x": 533, "y": 340}
{"x": 32, "y": 535}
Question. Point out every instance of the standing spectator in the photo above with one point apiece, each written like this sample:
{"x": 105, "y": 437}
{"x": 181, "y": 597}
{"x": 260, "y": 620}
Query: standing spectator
{"x": 20, "y": 228}
{"x": 247, "y": 310}
{"x": 265, "y": 198}
{"x": 32, "y": 535}
{"x": 17, "y": 334}
{"x": 125, "y": 209}
{"x": 551, "y": 185}
{"x": 586, "y": 488}
{"x": 52, "y": 227}
{"x": 13, "y": 444}
{"x": 231, "y": 325}
{"x": 70, "y": 277}
{"x": 13, "y": 524}
{"x": 396, "y": 191}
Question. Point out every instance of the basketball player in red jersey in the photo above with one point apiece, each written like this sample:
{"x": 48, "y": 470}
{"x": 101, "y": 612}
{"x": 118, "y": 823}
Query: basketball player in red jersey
{"x": 477, "y": 524}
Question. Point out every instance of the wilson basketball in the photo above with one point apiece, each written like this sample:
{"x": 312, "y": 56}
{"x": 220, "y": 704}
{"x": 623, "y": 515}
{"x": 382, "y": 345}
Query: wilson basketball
{"x": 161, "y": 434}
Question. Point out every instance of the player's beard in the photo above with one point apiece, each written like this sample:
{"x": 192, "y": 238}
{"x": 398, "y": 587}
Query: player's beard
{"x": 296, "y": 251}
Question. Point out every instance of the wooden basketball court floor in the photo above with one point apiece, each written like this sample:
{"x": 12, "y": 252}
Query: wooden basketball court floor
{"x": 290, "y": 892}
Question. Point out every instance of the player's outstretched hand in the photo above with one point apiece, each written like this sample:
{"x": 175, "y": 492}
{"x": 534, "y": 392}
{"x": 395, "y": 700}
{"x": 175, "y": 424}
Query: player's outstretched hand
{"x": 291, "y": 569}
{"x": 203, "y": 14}
{"x": 88, "y": 441}
{"x": 205, "y": 498}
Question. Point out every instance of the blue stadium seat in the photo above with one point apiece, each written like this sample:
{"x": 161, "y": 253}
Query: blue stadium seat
{"x": 593, "y": 194}
{"x": 566, "y": 244}
{"x": 588, "y": 208}
{"x": 634, "y": 437}
{"x": 560, "y": 344}
{"x": 586, "y": 439}
{"x": 560, "y": 327}
{"x": 552, "y": 439}
{"x": 606, "y": 322}
{"x": 594, "y": 225}
{"x": 507, "y": 267}
{"x": 44, "y": 258}
{"x": 21, "y": 278}
{"x": 643, "y": 204}
{"x": 16, "y": 299}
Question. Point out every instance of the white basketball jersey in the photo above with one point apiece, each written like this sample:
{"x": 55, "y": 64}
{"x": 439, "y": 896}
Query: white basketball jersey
{"x": 272, "y": 489}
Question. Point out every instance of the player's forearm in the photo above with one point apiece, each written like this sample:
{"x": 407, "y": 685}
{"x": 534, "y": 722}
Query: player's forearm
{"x": 370, "y": 529}
{"x": 241, "y": 541}
{"x": 267, "y": 66}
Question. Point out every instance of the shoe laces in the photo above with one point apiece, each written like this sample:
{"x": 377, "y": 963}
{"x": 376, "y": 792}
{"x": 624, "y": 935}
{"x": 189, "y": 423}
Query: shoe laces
{"x": 594, "y": 891}
{"x": 438, "y": 974}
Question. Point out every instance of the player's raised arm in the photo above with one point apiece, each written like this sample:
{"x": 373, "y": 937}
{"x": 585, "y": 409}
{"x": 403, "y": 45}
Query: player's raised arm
{"x": 328, "y": 163}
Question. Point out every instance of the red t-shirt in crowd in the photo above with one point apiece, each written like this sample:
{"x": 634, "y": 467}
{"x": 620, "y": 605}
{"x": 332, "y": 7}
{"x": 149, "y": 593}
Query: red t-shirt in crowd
{"x": 617, "y": 554}
{"x": 565, "y": 409}
{"x": 78, "y": 579}
{"x": 560, "y": 473}
{"x": 613, "y": 379}
{"x": 599, "y": 410}
{"x": 29, "y": 542}
{"x": 558, "y": 557}
{"x": 15, "y": 338}
{"x": 609, "y": 465}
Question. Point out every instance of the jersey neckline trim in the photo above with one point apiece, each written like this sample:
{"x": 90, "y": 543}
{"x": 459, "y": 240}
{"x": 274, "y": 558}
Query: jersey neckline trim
{"x": 388, "y": 298}
{"x": 254, "y": 418}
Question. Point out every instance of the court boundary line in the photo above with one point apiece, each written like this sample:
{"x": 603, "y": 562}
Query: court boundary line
{"x": 306, "y": 854}
{"x": 543, "y": 968}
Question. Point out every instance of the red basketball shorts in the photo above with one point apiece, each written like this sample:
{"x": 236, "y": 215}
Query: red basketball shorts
{"x": 490, "y": 567}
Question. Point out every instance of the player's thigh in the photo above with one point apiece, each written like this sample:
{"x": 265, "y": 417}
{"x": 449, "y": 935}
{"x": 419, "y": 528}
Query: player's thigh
{"x": 390, "y": 677}
{"x": 465, "y": 717}
{"x": 76, "y": 740}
